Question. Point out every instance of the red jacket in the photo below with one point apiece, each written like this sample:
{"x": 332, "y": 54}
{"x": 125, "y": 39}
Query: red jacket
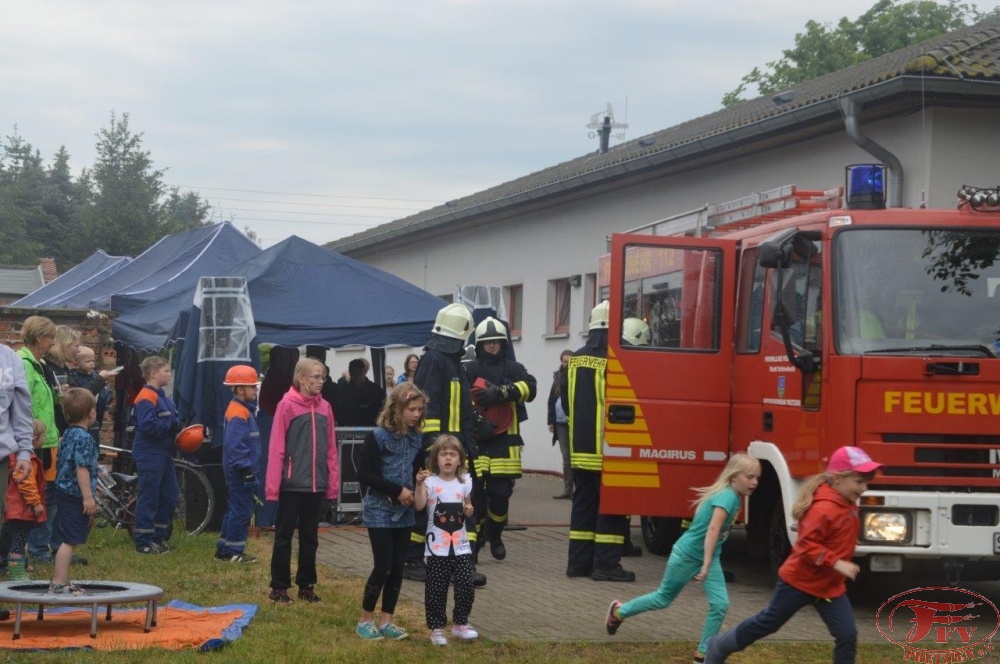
{"x": 21, "y": 496}
{"x": 827, "y": 533}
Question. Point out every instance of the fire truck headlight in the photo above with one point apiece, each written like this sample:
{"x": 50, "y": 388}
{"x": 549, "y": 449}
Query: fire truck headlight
{"x": 885, "y": 528}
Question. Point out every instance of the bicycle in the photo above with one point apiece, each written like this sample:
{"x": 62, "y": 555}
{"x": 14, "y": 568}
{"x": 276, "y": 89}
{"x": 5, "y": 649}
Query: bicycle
{"x": 117, "y": 491}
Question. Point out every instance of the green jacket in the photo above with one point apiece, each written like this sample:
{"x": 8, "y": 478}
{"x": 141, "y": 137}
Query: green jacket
{"x": 42, "y": 398}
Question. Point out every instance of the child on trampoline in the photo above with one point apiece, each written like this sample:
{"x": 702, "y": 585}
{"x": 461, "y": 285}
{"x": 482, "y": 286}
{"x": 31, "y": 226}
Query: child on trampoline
{"x": 76, "y": 482}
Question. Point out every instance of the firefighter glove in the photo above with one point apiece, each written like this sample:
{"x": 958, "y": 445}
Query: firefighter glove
{"x": 484, "y": 428}
{"x": 491, "y": 395}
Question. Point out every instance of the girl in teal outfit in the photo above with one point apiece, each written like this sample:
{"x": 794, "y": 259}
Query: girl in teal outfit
{"x": 696, "y": 553}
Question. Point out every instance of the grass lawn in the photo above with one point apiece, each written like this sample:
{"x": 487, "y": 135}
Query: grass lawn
{"x": 324, "y": 632}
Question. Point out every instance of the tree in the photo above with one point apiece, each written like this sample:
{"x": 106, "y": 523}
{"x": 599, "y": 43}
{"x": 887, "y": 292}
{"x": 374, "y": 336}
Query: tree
{"x": 185, "y": 212}
{"x": 888, "y": 26}
{"x": 22, "y": 188}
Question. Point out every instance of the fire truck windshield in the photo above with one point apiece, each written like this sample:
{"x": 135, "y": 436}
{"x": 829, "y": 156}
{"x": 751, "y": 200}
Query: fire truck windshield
{"x": 903, "y": 289}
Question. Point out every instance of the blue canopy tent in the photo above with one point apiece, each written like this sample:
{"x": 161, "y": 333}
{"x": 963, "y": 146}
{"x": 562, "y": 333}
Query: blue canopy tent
{"x": 95, "y": 268}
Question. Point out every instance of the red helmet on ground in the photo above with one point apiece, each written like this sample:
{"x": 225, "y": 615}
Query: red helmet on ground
{"x": 241, "y": 374}
{"x": 190, "y": 438}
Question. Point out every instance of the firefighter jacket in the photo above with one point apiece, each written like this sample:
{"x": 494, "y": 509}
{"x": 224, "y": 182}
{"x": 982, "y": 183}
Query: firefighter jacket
{"x": 583, "y": 400}
{"x": 521, "y": 386}
{"x": 449, "y": 402}
{"x": 156, "y": 422}
{"x": 240, "y": 441}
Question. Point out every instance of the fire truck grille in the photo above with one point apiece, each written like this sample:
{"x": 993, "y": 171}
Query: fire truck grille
{"x": 948, "y": 458}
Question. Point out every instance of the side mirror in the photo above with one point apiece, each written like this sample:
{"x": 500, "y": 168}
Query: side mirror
{"x": 776, "y": 251}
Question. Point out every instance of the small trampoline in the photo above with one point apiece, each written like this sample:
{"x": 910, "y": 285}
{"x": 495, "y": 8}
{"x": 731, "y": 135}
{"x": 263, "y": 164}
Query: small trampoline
{"x": 99, "y": 593}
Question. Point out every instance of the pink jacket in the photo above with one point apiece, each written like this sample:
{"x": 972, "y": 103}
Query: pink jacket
{"x": 302, "y": 455}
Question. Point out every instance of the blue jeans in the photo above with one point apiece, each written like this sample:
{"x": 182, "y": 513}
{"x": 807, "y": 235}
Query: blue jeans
{"x": 236, "y": 522}
{"x": 46, "y": 537}
{"x": 157, "y": 498}
{"x": 837, "y": 614}
{"x": 681, "y": 569}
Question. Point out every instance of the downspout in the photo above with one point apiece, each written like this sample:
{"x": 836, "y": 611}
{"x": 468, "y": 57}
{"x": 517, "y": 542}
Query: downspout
{"x": 853, "y": 127}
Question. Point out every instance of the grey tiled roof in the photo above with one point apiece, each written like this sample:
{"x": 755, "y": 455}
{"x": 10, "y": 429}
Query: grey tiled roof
{"x": 20, "y": 280}
{"x": 971, "y": 53}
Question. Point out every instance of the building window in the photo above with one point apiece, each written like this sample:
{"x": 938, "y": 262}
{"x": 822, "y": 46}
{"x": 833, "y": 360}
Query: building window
{"x": 515, "y": 298}
{"x": 559, "y": 297}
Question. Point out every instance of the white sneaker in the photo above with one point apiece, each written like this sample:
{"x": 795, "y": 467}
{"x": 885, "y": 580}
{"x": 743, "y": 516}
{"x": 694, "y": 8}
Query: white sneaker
{"x": 438, "y": 638}
{"x": 465, "y": 632}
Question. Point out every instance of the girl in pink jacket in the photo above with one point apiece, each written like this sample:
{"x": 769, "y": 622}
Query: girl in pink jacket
{"x": 302, "y": 469}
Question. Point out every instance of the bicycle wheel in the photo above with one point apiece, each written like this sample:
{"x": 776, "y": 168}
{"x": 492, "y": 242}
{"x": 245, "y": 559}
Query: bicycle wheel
{"x": 197, "y": 499}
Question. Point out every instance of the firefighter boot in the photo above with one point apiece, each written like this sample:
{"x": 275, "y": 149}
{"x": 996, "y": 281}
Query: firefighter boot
{"x": 615, "y": 573}
{"x": 415, "y": 570}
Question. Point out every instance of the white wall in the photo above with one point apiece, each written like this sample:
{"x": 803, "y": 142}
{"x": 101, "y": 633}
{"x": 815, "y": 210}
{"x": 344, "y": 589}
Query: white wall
{"x": 940, "y": 150}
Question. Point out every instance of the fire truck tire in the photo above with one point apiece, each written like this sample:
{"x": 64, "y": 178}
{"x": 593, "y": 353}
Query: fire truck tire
{"x": 778, "y": 546}
{"x": 659, "y": 533}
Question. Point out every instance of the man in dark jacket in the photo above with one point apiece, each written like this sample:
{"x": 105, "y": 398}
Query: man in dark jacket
{"x": 358, "y": 400}
{"x": 596, "y": 541}
{"x": 500, "y": 387}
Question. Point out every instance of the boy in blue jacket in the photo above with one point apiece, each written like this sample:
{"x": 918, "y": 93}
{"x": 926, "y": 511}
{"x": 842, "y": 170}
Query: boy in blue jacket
{"x": 156, "y": 426}
{"x": 240, "y": 458}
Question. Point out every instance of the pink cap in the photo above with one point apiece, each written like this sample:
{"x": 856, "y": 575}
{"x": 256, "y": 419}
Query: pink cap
{"x": 851, "y": 458}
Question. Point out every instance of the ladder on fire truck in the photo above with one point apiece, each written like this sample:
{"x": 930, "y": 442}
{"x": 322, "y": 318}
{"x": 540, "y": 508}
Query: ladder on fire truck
{"x": 747, "y": 211}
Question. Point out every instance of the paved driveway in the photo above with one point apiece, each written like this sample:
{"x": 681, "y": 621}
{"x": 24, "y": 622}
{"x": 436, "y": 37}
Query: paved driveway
{"x": 528, "y": 595}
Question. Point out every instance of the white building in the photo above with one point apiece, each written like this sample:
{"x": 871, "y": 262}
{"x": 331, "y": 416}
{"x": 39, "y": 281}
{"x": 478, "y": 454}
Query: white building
{"x": 930, "y": 112}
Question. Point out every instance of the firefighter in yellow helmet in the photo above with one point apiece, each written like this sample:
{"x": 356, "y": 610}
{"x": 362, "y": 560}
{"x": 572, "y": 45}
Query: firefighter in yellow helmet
{"x": 449, "y": 410}
{"x": 500, "y": 388}
{"x": 596, "y": 541}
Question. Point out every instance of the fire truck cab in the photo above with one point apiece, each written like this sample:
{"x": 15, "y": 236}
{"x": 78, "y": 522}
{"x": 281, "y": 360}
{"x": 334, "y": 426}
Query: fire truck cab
{"x": 789, "y": 336}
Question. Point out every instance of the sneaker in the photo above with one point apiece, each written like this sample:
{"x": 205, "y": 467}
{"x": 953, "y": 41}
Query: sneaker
{"x": 497, "y": 549}
{"x": 438, "y": 638}
{"x": 279, "y": 596}
{"x": 163, "y": 547}
{"x": 45, "y": 559}
{"x": 464, "y": 632}
{"x": 415, "y": 571}
{"x": 149, "y": 549}
{"x": 235, "y": 558}
{"x": 65, "y": 589}
{"x": 615, "y": 573}
{"x": 78, "y": 560}
{"x": 698, "y": 658}
{"x": 613, "y": 622}
{"x": 306, "y": 593}
{"x": 367, "y": 630}
{"x": 393, "y": 633}
{"x": 566, "y": 495}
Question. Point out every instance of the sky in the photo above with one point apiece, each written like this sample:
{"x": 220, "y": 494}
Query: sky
{"x": 322, "y": 119}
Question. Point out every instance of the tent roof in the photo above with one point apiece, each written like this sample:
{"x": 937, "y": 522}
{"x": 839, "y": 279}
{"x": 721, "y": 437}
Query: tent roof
{"x": 95, "y": 268}
{"x": 304, "y": 294}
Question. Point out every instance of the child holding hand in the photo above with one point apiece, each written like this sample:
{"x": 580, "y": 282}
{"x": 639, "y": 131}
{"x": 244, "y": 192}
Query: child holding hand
{"x": 386, "y": 472}
{"x": 817, "y": 570}
{"x": 696, "y": 554}
{"x": 76, "y": 483}
{"x": 446, "y": 491}
{"x": 25, "y": 508}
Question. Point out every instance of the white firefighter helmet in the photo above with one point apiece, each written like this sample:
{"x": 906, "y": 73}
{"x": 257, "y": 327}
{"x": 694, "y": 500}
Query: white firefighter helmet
{"x": 490, "y": 330}
{"x": 453, "y": 321}
{"x": 599, "y": 316}
{"x": 635, "y": 332}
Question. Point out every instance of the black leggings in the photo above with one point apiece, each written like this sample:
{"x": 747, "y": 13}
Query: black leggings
{"x": 441, "y": 572}
{"x": 389, "y": 547}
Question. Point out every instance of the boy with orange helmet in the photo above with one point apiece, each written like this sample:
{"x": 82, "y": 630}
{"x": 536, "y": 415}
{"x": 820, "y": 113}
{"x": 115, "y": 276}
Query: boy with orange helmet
{"x": 240, "y": 459}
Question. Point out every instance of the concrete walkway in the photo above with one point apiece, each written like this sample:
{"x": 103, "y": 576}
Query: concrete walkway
{"x": 529, "y": 597}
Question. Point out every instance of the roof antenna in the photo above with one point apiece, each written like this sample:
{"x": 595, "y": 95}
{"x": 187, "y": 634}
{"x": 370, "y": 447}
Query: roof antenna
{"x": 603, "y": 128}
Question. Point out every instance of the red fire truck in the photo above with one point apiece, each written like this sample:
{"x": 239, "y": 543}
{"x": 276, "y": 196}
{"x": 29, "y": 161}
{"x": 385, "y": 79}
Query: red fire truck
{"x": 789, "y": 336}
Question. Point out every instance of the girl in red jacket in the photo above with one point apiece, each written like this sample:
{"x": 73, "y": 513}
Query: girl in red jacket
{"x": 25, "y": 508}
{"x": 817, "y": 570}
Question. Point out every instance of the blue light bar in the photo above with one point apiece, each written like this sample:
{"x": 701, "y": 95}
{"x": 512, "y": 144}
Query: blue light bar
{"x": 866, "y": 186}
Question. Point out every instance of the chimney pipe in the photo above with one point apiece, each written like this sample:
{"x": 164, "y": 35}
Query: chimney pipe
{"x": 605, "y": 133}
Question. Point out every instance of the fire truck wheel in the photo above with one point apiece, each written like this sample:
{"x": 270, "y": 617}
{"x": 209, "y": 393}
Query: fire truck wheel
{"x": 659, "y": 533}
{"x": 778, "y": 546}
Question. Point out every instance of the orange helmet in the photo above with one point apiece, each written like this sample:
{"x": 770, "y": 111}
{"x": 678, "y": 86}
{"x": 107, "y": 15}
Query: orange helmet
{"x": 190, "y": 438}
{"x": 241, "y": 374}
